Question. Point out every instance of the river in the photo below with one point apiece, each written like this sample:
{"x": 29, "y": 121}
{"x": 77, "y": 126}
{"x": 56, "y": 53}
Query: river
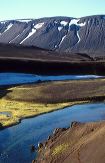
{"x": 16, "y": 141}
{"x": 21, "y": 78}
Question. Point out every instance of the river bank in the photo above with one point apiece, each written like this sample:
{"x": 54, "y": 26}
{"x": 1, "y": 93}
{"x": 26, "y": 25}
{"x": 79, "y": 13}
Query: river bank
{"x": 24, "y": 112}
{"x": 18, "y": 140}
{"x": 68, "y": 145}
{"x": 31, "y": 100}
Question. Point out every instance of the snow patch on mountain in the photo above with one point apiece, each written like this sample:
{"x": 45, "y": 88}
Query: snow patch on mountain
{"x": 34, "y": 29}
{"x": 29, "y": 35}
{"x": 62, "y": 40}
{"x": 16, "y": 37}
{"x": 60, "y": 28}
{"x": 79, "y": 39}
{"x": 24, "y": 20}
{"x": 55, "y": 22}
{"x": 39, "y": 25}
{"x": 3, "y": 22}
{"x": 64, "y": 23}
{"x": 75, "y": 21}
{"x": 8, "y": 27}
{"x": 57, "y": 46}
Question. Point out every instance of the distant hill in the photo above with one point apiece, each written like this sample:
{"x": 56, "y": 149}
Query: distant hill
{"x": 64, "y": 34}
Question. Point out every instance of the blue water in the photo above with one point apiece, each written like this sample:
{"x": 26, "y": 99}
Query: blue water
{"x": 20, "y": 78}
{"x": 8, "y": 114}
{"x": 15, "y": 141}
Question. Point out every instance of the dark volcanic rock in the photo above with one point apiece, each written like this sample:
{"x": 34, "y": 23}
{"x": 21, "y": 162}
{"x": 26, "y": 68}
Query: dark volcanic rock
{"x": 64, "y": 34}
{"x": 40, "y": 145}
{"x": 33, "y": 148}
{"x": 74, "y": 124}
{"x": 1, "y": 127}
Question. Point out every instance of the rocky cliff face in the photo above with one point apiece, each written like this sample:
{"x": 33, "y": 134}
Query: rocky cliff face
{"x": 64, "y": 34}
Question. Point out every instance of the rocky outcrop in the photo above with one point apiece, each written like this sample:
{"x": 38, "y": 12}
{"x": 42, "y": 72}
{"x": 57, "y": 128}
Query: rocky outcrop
{"x": 79, "y": 143}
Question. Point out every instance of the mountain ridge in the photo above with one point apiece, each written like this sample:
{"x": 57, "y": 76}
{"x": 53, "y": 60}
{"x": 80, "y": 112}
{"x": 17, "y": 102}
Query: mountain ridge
{"x": 62, "y": 34}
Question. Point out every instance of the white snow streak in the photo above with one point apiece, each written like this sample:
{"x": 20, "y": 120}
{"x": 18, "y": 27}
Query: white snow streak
{"x": 62, "y": 40}
{"x": 60, "y": 28}
{"x": 64, "y": 23}
{"x": 29, "y": 35}
{"x": 79, "y": 39}
{"x": 37, "y": 26}
{"x": 34, "y": 29}
{"x": 75, "y": 21}
{"x": 24, "y": 20}
{"x": 55, "y": 22}
{"x": 3, "y": 22}
{"x": 8, "y": 27}
{"x": 14, "y": 38}
{"x": 17, "y": 36}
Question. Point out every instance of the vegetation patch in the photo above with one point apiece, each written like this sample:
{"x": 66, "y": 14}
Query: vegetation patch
{"x": 20, "y": 110}
{"x": 60, "y": 149}
{"x": 59, "y": 91}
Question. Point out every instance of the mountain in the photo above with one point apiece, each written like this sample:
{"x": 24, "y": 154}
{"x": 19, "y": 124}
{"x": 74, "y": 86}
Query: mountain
{"x": 63, "y": 34}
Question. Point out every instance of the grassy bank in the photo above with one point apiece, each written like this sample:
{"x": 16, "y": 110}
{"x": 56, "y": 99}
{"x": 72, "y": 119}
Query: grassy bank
{"x": 58, "y": 92}
{"x": 35, "y": 99}
{"x": 20, "y": 110}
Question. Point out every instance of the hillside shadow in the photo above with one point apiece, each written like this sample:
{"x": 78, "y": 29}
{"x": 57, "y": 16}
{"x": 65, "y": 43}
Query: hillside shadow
{"x": 4, "y": 92}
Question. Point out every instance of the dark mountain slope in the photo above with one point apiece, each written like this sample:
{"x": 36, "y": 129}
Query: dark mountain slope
{"x": 36, "y": 60}
{"x": 64, "y": 34}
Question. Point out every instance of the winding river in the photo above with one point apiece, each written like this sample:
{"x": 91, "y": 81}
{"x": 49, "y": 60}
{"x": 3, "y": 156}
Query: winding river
{"x": 21, "y": 78}
{"x": 16, "y": 141}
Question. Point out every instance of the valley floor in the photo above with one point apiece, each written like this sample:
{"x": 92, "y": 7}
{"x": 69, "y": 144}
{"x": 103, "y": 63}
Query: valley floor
{"x": 35, "y": 99}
